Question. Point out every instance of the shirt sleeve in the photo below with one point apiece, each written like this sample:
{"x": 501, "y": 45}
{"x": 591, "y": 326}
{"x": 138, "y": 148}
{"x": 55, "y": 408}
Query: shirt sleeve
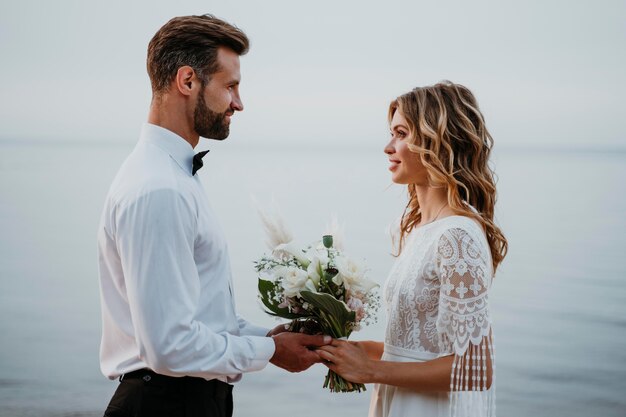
{"x": 155, "y": 238}
{"x": 247, "y": 328}
{"x": 464, "y": 322}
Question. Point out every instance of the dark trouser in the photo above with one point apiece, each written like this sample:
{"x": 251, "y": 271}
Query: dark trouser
{"x": 144, "y": 393}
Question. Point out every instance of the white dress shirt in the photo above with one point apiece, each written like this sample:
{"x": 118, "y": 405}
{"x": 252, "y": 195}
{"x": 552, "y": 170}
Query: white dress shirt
{"x": 165, "y": 277}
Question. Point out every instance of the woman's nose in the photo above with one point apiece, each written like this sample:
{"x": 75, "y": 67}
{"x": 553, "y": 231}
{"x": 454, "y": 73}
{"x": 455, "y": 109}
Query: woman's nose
{"x": 389, "y": 149}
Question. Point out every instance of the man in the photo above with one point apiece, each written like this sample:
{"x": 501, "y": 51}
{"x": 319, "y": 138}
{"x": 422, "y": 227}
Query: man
{"x": 170, "y": 331}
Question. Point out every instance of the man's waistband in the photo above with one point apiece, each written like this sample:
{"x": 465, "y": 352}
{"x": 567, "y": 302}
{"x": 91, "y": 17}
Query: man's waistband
{"x": 150, "y": 376}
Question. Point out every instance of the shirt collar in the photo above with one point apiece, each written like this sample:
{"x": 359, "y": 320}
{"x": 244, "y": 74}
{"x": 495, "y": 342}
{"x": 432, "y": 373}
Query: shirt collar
{"x": 178, "y": 148}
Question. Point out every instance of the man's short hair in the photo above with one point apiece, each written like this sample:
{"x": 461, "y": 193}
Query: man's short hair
{"x": 192, "y": 41}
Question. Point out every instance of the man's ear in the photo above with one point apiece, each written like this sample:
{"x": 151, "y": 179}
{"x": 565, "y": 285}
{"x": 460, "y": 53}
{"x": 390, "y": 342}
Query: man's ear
{"x": 186, "y": 80}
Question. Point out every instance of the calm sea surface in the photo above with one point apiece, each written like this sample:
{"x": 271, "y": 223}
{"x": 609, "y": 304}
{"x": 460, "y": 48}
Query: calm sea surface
{"x": 558, "y": 303}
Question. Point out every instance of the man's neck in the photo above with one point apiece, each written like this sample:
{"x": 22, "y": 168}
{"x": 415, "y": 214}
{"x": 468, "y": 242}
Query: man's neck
{"x": 173, "y": 118}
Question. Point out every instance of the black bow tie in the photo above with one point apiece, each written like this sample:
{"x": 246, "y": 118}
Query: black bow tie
{"x": 197, "y": 161}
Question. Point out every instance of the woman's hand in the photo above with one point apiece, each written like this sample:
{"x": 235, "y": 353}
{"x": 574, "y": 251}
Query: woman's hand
{"x": 348, "y": 359}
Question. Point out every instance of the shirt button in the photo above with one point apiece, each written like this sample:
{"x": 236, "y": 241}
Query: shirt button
{"x": 147, "y": 378}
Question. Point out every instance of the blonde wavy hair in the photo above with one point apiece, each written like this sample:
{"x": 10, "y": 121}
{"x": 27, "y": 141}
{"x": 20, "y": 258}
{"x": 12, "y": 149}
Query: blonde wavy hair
{"x": 448, "y": 132}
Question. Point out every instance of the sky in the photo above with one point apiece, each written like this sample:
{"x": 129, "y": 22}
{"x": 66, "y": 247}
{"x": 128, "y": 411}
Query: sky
{"x": 547, "y": 74}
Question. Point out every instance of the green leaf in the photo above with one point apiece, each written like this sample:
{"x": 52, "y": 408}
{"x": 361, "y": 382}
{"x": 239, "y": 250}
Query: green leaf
{"x": 338, "y": 310}
{"x": 330, "y": 273}
{"x": 267, "y": 291}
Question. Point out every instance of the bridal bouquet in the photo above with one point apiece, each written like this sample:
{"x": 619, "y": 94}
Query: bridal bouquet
{"x": 318, "y": 288}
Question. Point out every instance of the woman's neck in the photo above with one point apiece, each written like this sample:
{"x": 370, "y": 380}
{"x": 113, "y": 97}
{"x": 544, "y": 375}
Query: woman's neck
{"x": 433, "y": 203}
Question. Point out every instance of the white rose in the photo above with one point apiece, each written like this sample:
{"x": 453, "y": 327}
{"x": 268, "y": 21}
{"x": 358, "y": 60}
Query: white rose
{"x": 352, "y": 275}
{"x": 294, "y": 280}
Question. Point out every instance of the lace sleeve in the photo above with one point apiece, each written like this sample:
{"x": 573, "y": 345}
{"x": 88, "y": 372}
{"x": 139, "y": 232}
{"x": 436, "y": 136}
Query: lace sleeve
{"x": 463, "y": 322}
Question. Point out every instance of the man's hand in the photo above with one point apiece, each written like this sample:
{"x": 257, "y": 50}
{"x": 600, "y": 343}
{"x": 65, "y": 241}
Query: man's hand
{"x": 292, "y": 353}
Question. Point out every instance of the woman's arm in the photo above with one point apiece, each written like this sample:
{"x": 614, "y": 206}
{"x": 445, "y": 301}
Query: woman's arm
{"x": 373, "y": 349}
{"x": 352, "y": 361}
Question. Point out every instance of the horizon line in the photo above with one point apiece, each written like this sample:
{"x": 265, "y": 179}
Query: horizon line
{"x": 602, "y": 148}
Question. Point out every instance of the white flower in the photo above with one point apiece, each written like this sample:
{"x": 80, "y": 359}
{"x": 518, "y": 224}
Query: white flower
{"x": 293, "y": 281}
{"x": 314, "y": 271}
{"x": 319, "y": 252}
{"x": 316, "y": 268}
{"x": 352, "y": 276}
{"x": 291, "y": 249}
{"x": 311, "y": 285}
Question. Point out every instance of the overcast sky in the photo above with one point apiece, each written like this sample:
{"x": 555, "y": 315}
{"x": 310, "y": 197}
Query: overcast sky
{"x": 546, "y": 73}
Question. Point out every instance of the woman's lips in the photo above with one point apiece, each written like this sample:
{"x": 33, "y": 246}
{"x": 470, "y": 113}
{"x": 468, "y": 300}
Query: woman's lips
{"x": 393, "y": 164}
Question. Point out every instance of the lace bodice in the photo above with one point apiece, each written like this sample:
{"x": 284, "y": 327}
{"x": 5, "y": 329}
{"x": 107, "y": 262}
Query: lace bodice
{"x": 436, "y": 292}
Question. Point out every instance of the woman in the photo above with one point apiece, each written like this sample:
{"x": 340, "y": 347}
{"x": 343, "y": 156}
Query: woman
{"x": 438, "y": 354}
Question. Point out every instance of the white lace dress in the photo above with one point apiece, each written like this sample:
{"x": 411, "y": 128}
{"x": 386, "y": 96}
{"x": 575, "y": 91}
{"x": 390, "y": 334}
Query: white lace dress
{"x": 437, "y": 305}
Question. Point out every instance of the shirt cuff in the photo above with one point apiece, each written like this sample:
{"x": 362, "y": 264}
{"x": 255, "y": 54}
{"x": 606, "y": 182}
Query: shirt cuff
{"x": 264, "y": 348}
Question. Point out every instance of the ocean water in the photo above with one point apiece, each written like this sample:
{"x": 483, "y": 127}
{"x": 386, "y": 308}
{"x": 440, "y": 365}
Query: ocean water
{"x": 558, "y": 302}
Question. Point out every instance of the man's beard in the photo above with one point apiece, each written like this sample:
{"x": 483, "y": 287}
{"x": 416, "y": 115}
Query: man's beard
{"x": 209, "y": 124}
